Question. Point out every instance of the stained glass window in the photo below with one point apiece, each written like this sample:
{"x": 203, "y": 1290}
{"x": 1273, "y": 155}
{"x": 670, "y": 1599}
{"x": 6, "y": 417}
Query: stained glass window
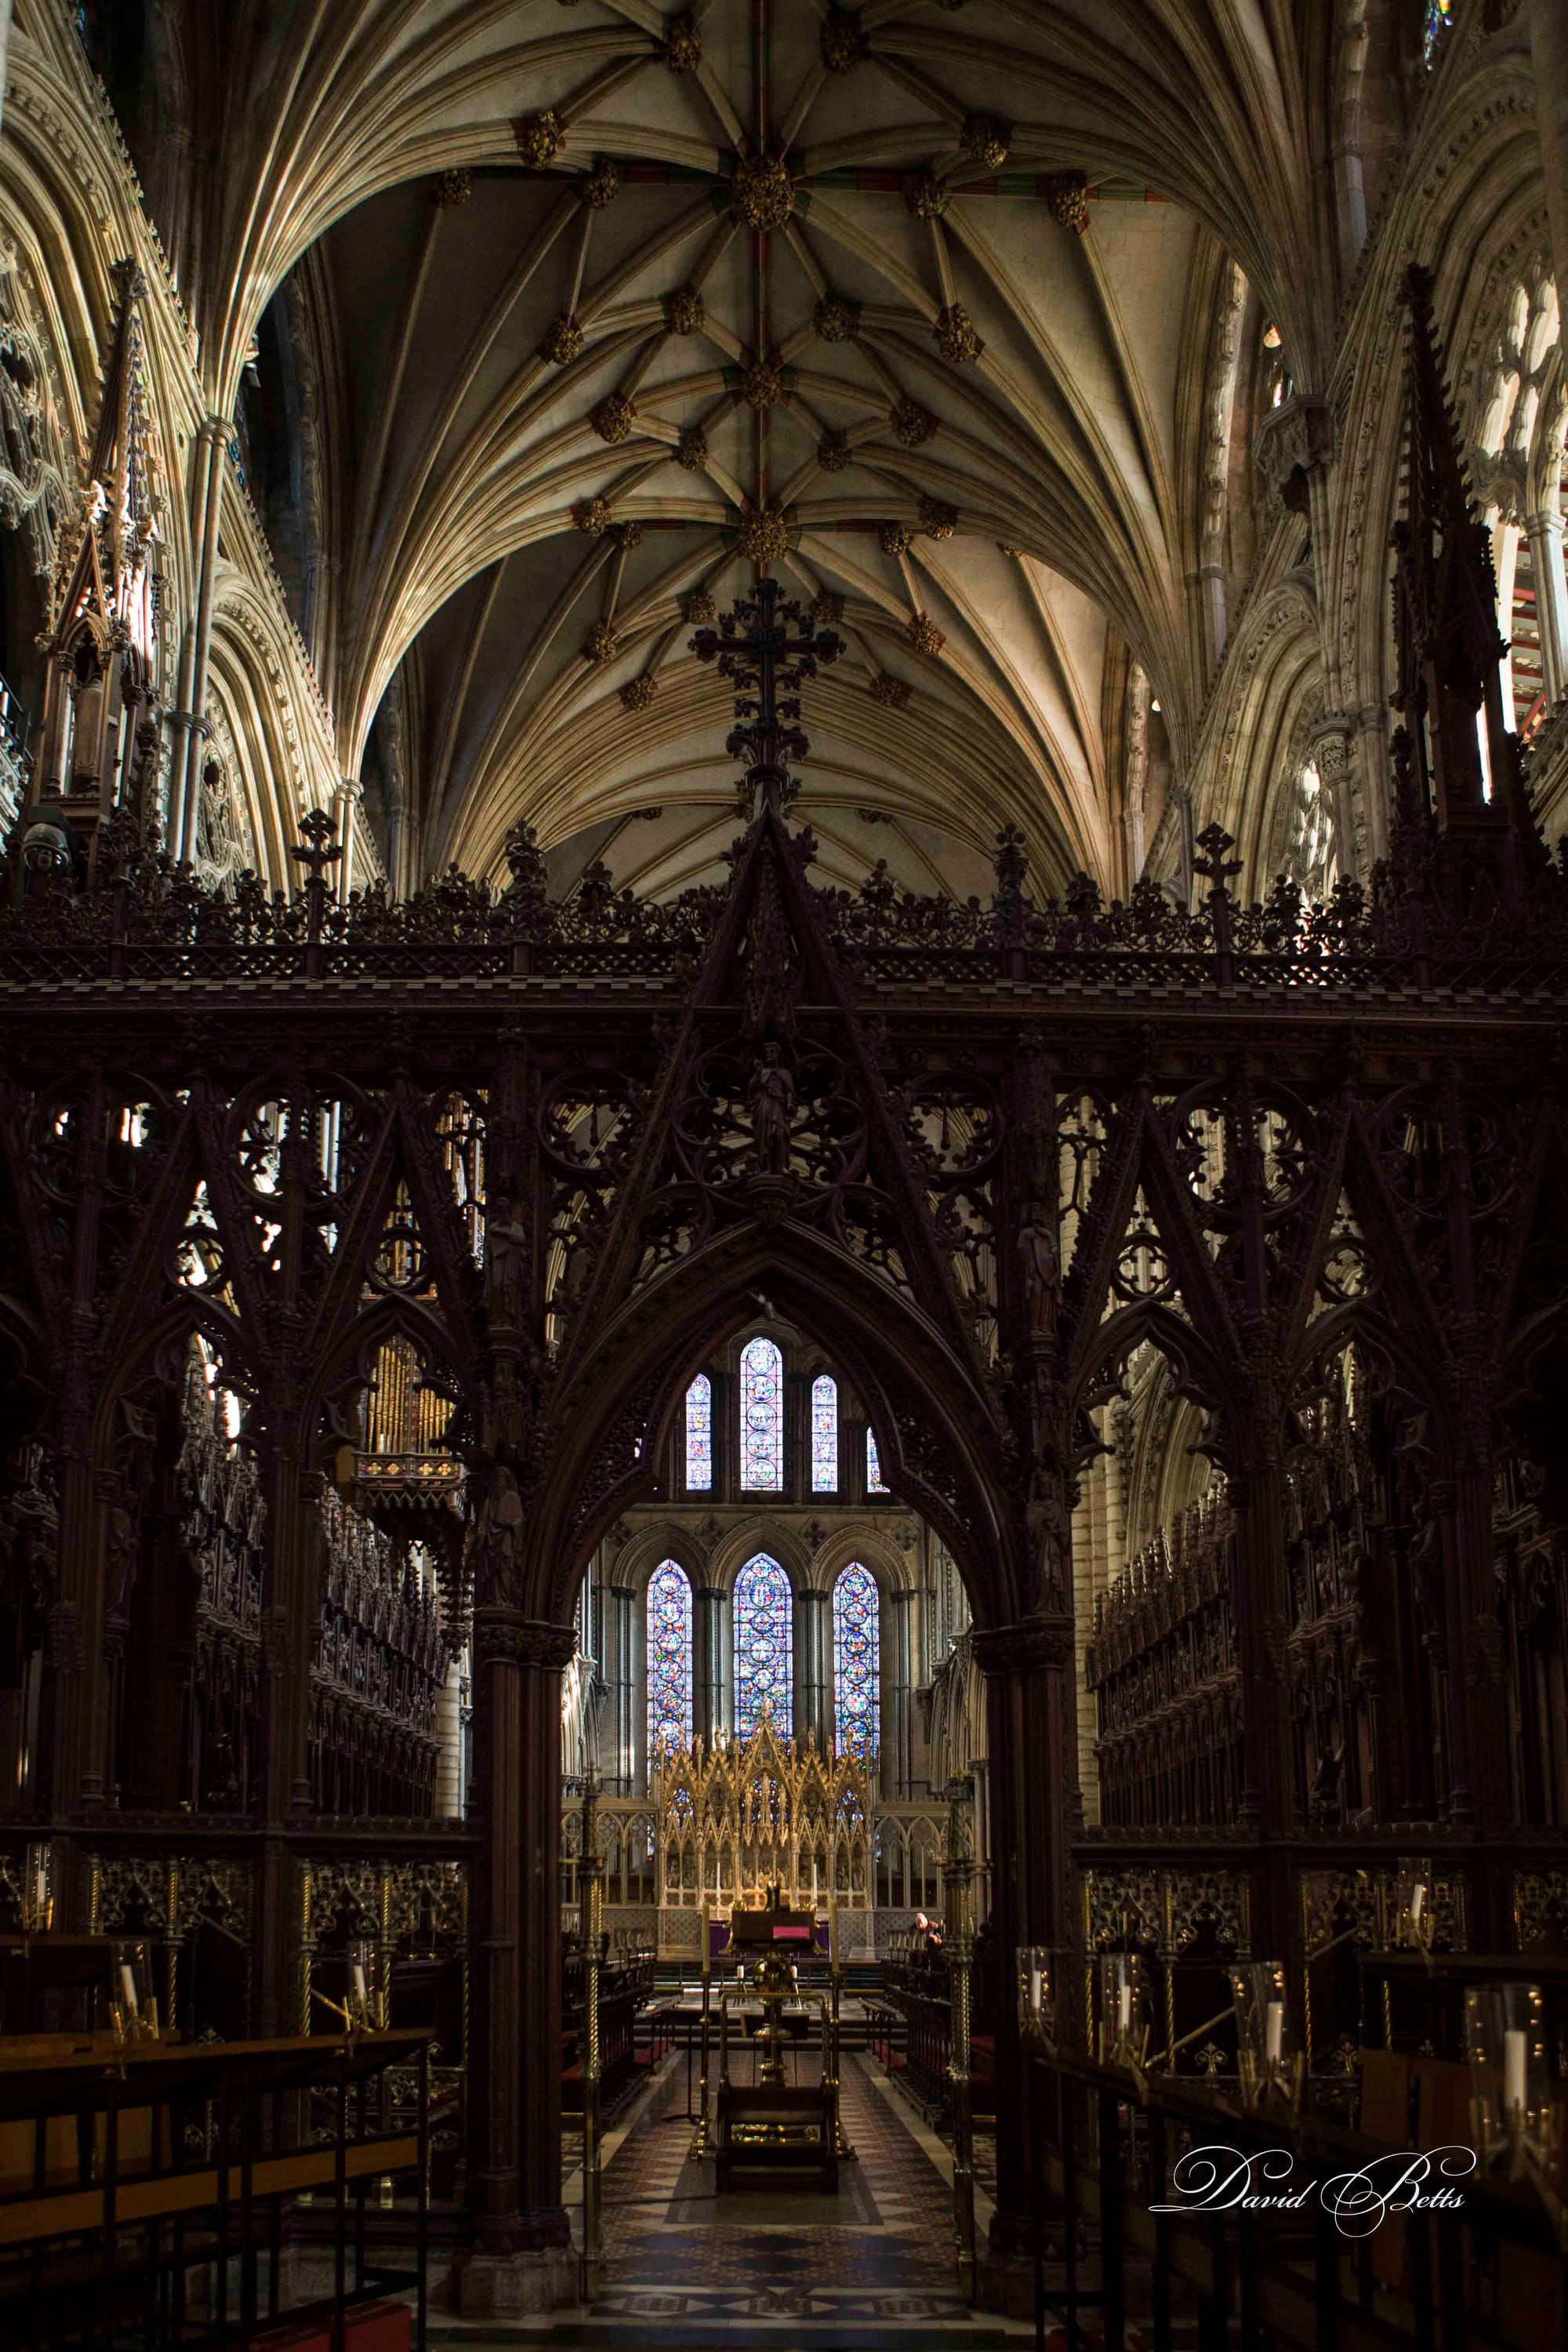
{"x": 669, "y": 1658}
{"x": 762, "y": 1417}
{"x": 765, "y": 1647}
{"x": 855, "y": 1659}
{"x": 1439, "y": 16}
{"x": 825, "y": 1435}
{"x": 700, "y": 1434}
{"x": 873, "y": 1468}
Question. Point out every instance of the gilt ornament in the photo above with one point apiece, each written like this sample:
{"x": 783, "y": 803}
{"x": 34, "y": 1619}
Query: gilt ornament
{"x": 986, "y": 140}
{"x": 592, "y": 516}
{"x": 912, "y": 426}
{"x": 682, "y": 45}
{"x": 613, "y": 416}
{"x": 685, "y": 314}
{"x": 762, "y": 386}
{"x": 833, "y": 452}
{"x": 562, "y": 340}
{"x": 540, "y": 138}
{"x": 938, "y": 519}
{"x": 956, "y": 337}
{"x": 843, "y": 41}
{"x": 836, "y": 319}
{"x": 760, "y": 192}
{"x": 600, "y": 187}
{"x": 1067, "y": 199}
{"x": 926, "y": 196}
{"x": 762, "y": 538}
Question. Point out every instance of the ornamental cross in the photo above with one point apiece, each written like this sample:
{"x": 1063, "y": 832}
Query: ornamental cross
{"x": 769, "y": 649}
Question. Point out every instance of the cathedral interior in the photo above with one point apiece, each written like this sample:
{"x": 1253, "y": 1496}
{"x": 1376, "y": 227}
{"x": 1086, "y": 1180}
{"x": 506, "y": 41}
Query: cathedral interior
{"x": 784, "y": 1178}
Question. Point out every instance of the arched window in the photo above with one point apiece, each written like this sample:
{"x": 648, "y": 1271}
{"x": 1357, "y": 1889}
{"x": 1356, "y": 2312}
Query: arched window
{"x": 825, "y": 1435}
{"x": 855, "y": 1660}
{"x": 764, "y": 1648}
{"x": 669, "y": 1658}
{"x": 700, "y": 1435}
{"x": 873, "y": 1468}
{"x": 761, "y": 1418}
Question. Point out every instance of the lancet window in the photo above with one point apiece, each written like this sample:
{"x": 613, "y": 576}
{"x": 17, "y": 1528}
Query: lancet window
{"x": 763, "y": 1645}
{"x": 700, "y": 1434}
{"x": 825, "y": 1435}
{"x": 762, "y": 1417}
{"x": 855, "y": 1661}
{"x": 873, "y": 1468}
{"x": 669, "y": 1658}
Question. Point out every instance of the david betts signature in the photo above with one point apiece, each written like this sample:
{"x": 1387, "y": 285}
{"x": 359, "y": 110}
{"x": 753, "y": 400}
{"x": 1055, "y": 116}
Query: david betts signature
{"x": 1220, "y": 2179}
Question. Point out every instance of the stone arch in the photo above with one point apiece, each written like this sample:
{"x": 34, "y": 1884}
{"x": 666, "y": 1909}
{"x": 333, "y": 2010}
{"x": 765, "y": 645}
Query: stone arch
{"x": 613, "y": 1414}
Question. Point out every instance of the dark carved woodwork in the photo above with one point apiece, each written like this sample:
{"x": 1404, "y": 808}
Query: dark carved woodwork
{"x": 534, "y": 1161}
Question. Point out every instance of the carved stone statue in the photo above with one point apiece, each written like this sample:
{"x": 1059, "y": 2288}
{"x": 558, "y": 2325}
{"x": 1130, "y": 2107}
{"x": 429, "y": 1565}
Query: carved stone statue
{"x": 506, "y": 1251}
{"x": 772, "y": 1098}
{"x": 1039, "y": 1266}
{"x": 498, "y": 1541}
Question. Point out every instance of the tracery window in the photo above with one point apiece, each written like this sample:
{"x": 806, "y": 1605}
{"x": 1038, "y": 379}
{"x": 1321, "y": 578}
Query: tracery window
{"x": 762, "y": 1417}
{"x": 873, "y": 1468}
{"x": 855, "y": 1661}
{"x": 700, "y": 1434}
{"x": 763, "y": 1622}
{"x": 669, "y": 1658}
{"x": 825, "y": 1435}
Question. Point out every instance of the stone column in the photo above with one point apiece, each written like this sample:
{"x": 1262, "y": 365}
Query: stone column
{"x": 811, "y": 1690}
{"x": 898, "y": 1693}
{"x": 1549, "y": 54}
{"x": 1029, "y": 1717}
{"x": 1544, "y": 532}
{"x": 520, "y": 2259}
{"x": 345, "y": 800}
{"x": 618, "y": 1605}
{"x": 448, "y": 1746}
{"x": 710, "y": 1710}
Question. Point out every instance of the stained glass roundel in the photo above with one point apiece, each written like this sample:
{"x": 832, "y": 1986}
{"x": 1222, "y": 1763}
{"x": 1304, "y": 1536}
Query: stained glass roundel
{"x": 762, "y": 1622}
{"x": 669, "y": 1658}
{"x": 855, "y": 1661}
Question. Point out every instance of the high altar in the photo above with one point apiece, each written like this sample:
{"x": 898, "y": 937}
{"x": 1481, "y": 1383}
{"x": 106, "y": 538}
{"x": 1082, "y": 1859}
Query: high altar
{"x": 744, "y": 1815}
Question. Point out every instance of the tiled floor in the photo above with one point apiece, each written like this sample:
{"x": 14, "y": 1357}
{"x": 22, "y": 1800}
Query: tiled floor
{"x": 874, "y": 2267}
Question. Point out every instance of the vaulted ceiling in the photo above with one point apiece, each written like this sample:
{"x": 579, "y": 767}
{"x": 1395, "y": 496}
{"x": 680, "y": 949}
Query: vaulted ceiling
{"x": 611, "y": 307}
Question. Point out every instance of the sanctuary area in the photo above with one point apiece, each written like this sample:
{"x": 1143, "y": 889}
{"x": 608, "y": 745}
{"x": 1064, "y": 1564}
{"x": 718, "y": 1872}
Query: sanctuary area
{"x": 783, "y": 1175}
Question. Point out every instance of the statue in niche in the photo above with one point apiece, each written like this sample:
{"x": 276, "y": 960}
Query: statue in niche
{"x": 772, "y": 1098}
{"x": 1040, "y": 1265}
{"x": 506, "y": 1242}
{"x": 498, "y": 1536}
